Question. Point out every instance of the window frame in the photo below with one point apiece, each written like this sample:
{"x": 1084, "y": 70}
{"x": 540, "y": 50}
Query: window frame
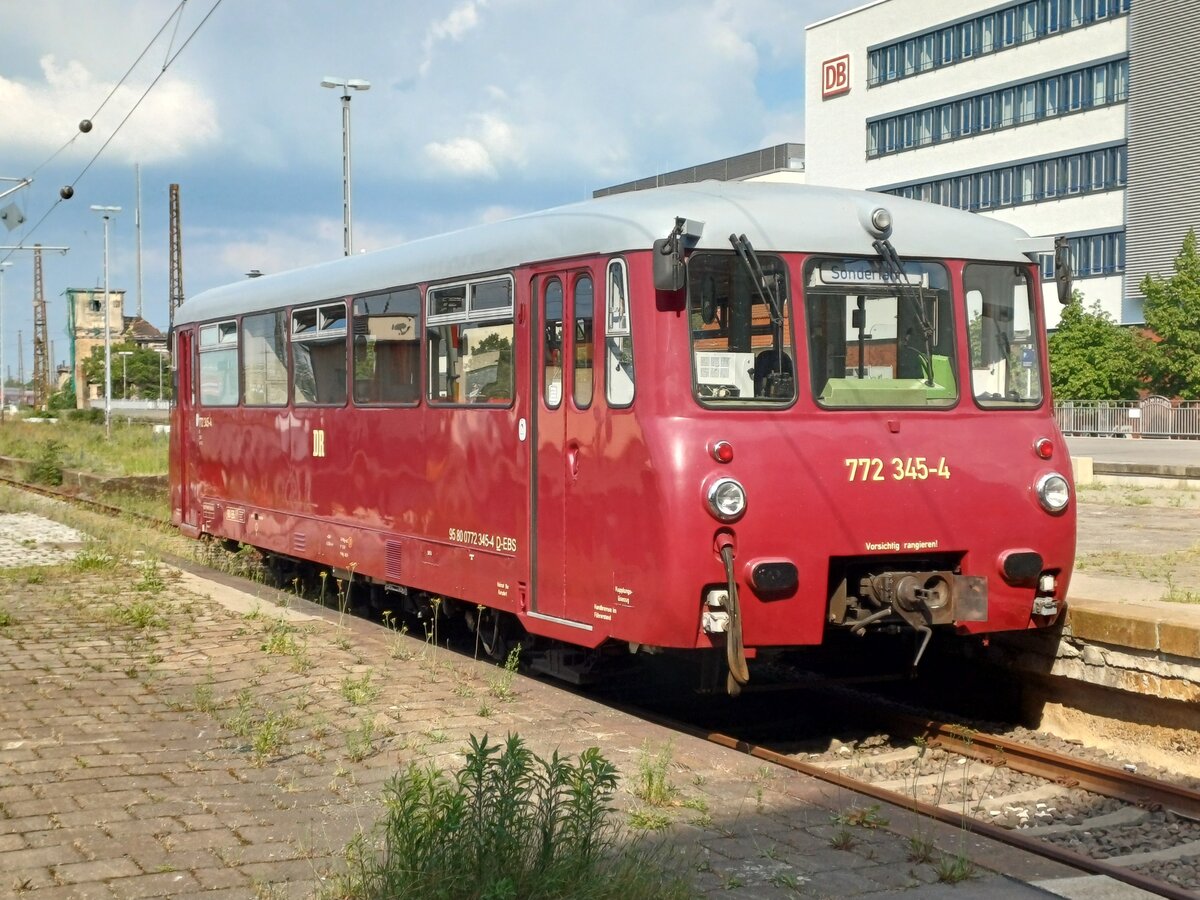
{"x": 326, "y": 331}
{"x": 472, "y": 315}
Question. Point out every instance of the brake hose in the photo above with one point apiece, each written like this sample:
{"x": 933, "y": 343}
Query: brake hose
{"x": 735, "y": 650}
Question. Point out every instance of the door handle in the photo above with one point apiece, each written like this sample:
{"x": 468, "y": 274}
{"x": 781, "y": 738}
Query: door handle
{"x": 573, "y": 460}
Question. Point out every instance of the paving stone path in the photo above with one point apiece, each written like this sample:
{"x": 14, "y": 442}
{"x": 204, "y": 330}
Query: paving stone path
{"x": 164, "y": 736}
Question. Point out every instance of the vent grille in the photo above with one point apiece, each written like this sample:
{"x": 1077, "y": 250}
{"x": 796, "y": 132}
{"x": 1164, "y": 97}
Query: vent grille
{"x": 299, "y": 542}
{"x": 392, "y": 561}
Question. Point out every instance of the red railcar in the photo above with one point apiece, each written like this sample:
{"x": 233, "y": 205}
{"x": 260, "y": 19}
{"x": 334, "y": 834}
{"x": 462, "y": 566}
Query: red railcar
{"x": 723, "y": 416}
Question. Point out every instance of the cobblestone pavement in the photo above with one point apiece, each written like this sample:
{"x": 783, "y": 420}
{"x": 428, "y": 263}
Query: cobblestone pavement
{"x": 161, "y": 735}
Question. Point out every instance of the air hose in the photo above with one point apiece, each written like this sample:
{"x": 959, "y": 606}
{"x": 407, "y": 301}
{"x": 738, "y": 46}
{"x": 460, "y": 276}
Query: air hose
{"x": 735, "y": 650}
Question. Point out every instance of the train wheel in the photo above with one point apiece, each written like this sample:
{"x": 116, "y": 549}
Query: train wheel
{"x": 495, "y": 633}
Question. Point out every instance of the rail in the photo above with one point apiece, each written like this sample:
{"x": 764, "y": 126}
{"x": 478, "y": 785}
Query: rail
{"x": 1153, "y": 417}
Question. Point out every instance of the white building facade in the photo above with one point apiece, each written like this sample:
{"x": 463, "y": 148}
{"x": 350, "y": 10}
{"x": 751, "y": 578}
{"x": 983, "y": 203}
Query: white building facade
{"x": 1063, "y": 117}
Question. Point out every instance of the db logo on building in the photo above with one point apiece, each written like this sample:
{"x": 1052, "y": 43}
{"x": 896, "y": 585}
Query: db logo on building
{"x": 835, "y": 76}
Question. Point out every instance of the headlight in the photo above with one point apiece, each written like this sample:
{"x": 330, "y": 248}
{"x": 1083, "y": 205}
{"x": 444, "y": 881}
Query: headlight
{"x": 727, "y": 499}
{"x": 1053, "y": 492}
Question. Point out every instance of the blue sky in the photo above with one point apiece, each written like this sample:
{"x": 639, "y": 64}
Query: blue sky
{"x": 478, "y": 109}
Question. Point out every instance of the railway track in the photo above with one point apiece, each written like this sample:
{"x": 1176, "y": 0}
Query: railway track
{"x": 84, "y": 502}
{"x": 1062, "y": 808}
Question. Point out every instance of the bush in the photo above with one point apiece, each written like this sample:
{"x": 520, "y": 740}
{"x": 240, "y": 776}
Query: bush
{"x": 93, "y": 415}
{"x": 47, "y": 466}
{"x": 508, "y": 826}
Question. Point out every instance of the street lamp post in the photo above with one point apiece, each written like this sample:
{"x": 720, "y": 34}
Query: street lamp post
{"x": 347, "y": 85}
{"x": 3, "y": 386}
{"x": 107, "y": 212}
{"x": 124, "y": 354}
{"x": 161, "y": 353}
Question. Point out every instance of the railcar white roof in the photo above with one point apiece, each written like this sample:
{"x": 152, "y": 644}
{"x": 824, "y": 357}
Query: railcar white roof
{"x": 775, "y": 217}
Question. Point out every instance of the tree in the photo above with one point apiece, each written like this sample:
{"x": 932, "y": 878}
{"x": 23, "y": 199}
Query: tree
{"x": 141, "y": 369}
{"x": 1173, "y": 313}
{"x": 1094, "y": 358}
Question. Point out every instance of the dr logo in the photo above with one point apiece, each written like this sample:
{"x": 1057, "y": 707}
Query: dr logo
{"x": 835, "y": 76}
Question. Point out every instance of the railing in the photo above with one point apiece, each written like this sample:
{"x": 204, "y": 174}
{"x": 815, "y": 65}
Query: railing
{"x": 1153, "y": 417}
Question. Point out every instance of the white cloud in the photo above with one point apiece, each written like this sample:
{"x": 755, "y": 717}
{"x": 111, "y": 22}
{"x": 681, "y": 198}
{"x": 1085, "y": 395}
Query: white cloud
{"x": 453, "y": 27}
{"x": 461, "y": 156}
{"x": 41, "y": 116}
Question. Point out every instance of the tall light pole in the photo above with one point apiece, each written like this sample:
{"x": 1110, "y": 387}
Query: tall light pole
{"x": 124, "y": 354}
{"x": 3, "y": 391}
{"x": 161, "y": 353}
{"x": 107, "y": 213}
{"x": 347, "y": 85}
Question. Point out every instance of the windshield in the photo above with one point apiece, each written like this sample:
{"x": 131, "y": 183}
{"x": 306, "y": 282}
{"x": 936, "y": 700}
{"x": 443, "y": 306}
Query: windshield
{"x": 741, "y": 330}
{"x": 874, "y": 342}
{"x": 1005, "y": 362}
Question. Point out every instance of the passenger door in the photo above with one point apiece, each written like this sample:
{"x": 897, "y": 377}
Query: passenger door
{"x": 184, "y": 508}
{"x": 562, "y": 386}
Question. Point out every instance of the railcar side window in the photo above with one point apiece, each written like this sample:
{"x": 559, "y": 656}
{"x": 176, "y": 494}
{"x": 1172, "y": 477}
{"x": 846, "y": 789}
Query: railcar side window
{"x": 264, "y": 360}
{"x": 319, "y": 355}
{"x": 470, "y": 336}
{"x": 552, "y": 339}
{"x": 219, "y": 364}
{"x": 741, "y": 328}
{"x": 387, "y": 348}
{"x": 1006, "y": 368}
{"x": 876, "y": 342}
{"x": 618, "y": 341}
{"x": 583, "y": 342}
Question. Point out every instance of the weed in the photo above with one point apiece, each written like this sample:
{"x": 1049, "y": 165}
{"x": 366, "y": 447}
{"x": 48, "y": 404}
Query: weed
{"x": 484, "y": 711}
{"x": 508, "y": 824}
{"x": 151, "y": 581}
{"x": 920, "y": 848}
{"x": 359, "y": 691}
{"x": 94, "y": 556}
{"x": 652, "y": 786}
{"x": 360, "y": 743}
{"x": 398, "y": 646}
{"x": 6, "y": 618}
{"x": 864, "y": 817}
{"x": 47, "y": 465}
{"x": 843, "y": 839}
{"x": 644, "y": 819}
{"x": 954, "y": 869}
{"x": 202, "y": 698}
{"x": 501, "y": 686}
{"x": 786, "y": 880}
{"x": 269, "y": 735}
{"x": 139, "y": 614}
{"x": 281, "y": 640}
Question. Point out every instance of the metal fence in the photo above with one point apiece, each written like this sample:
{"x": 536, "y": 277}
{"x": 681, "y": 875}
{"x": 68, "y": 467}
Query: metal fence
{"x": 1153, "y": 417}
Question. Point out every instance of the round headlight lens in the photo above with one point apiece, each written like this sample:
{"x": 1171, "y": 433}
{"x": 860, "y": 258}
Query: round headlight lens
{"x": 1053, "y": 492}
{"x": 727, "y": 499}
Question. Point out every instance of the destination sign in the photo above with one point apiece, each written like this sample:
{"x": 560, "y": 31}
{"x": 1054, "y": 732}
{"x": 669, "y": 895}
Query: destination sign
{"x": 864, "y": 272}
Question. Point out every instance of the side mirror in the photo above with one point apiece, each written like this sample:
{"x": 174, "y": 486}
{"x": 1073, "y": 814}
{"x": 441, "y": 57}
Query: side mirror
{"x": 670, "y": 268}
{"x": 1062, "y": 269}
{"x": 670, "y": 271}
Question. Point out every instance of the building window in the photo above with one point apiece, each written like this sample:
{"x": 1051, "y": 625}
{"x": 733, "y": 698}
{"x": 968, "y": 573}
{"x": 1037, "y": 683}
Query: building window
{"x": 1028, "y": 182}
{"x": 1043, "y": 98}
{"x": 984, "y": 34}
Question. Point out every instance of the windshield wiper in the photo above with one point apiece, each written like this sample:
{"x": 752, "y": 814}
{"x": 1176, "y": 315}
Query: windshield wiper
{"x": 766, "y": 294}
{"x": 891, "y": 262}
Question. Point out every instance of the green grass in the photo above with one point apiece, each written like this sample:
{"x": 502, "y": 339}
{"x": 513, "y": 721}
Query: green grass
{"x": 132, "y": 450}
{"x": 508, "y": 824}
